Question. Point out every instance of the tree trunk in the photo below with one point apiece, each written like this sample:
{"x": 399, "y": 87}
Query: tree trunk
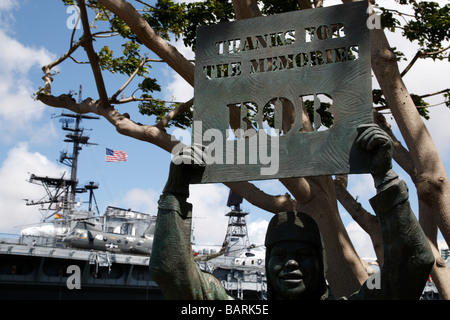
{"x": 368, "y": 222}
{"x": 346, "y": 271}
{"x": 432, "y": 183}
{"x": 440, "y": 272}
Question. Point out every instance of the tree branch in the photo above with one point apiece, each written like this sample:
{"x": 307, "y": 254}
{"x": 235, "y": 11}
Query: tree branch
{"x": 435, "y": 93}
{"x": 305, "y": 4}
{"x": 48, "y": 79}
{"x": 74, "y": 27}
{"x": 245, "y": 9}
{"x": 134, "y": 99}
{"x": 115, "y": 95}
{"x": 299, "y": 188}
{"x": 66, "y": 101}
{"x": 409, "y": 66}
{"x": 122, "y": 124}
{"x": 421, "y": 54}
{"x": 365, "y": 220}
{"x": 260, "y": 199}
{"x": 172, "y": 114}
{"x": 105, "y": 34}
{"x": 92, "y": 55}
{"x": 150, "y": 38}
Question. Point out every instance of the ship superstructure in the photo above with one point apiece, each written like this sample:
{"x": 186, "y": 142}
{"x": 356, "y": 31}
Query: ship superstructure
{"x": 239, "y": 265}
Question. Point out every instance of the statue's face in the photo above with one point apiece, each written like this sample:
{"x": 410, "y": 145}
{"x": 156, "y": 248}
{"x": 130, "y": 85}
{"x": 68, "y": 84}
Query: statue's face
{"x": 294, "y": 270}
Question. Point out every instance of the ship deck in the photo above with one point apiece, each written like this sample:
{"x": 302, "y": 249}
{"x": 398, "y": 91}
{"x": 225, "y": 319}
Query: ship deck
{"x": 33, "y": 272}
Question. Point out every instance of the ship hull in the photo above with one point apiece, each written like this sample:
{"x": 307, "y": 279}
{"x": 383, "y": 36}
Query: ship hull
{"x": 63, "y": 273}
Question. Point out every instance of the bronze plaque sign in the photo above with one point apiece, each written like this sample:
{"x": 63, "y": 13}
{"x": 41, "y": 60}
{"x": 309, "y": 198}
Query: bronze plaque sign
{"x": 252, "y": 79}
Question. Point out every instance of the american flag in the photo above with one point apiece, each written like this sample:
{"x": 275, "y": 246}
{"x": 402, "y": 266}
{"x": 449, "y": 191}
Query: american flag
{"x": 115, "y": 155}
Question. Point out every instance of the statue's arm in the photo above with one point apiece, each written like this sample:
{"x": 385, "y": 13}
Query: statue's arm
{"x": 407, "y": 255}
{"x": 408, "y": 258}
{"x": 172, "y": 264}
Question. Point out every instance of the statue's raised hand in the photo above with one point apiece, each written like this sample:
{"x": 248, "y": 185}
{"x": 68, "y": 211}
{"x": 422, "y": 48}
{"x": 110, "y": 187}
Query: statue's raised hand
{"x": 186, "y": 167}
{"x": 372, "y": 139}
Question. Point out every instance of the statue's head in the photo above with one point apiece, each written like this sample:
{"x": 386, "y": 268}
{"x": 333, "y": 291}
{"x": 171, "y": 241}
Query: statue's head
{"x": 295, "y": 258}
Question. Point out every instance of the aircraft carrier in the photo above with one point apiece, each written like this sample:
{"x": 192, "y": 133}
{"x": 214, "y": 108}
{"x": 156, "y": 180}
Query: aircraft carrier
{"x": 239, "y": 265}
{"x": 80, "y": 254}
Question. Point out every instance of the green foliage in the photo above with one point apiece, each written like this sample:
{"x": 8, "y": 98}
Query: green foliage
{"x": 205, "y": 13}
{"x": 159, "y": 109}
{"x": 326, "y": 117}
{"x": 149, "y": 85}
{"x": 182, "y": 19}
{"x": 388, "y": 20}
{"x": 125, "y": 64}
{"x": 166, "y": 17}
{"x": 274, "y": 6}
{"x": 418, "y": 101}
{"x": 123, "y": 29}
{"x": 429, "y": 24}
{"x": 447, "y": 99}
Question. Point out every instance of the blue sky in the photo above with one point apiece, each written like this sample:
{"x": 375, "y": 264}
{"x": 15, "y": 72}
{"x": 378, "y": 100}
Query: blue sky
{"x": 33, "y": 33}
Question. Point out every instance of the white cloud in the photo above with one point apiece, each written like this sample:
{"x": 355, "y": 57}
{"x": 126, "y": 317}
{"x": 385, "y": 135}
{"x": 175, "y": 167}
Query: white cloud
{"x": 178, "y": 89}
{"x": 257, "y": 231}
{"x": 209, "y": 208}
{"x": 361, "y": 240}
{"x": 18, "y": 58}
{"x": 142, "y": 200}
{"x": 7, "y": 4}
{"x": 14, "y": 175}
{"x": 361, "y": 186}
{"x": 18, "y": 110}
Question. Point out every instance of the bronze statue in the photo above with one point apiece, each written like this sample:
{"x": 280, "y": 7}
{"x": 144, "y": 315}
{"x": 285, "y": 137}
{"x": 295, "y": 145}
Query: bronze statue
{"x": 295, "y": 256}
